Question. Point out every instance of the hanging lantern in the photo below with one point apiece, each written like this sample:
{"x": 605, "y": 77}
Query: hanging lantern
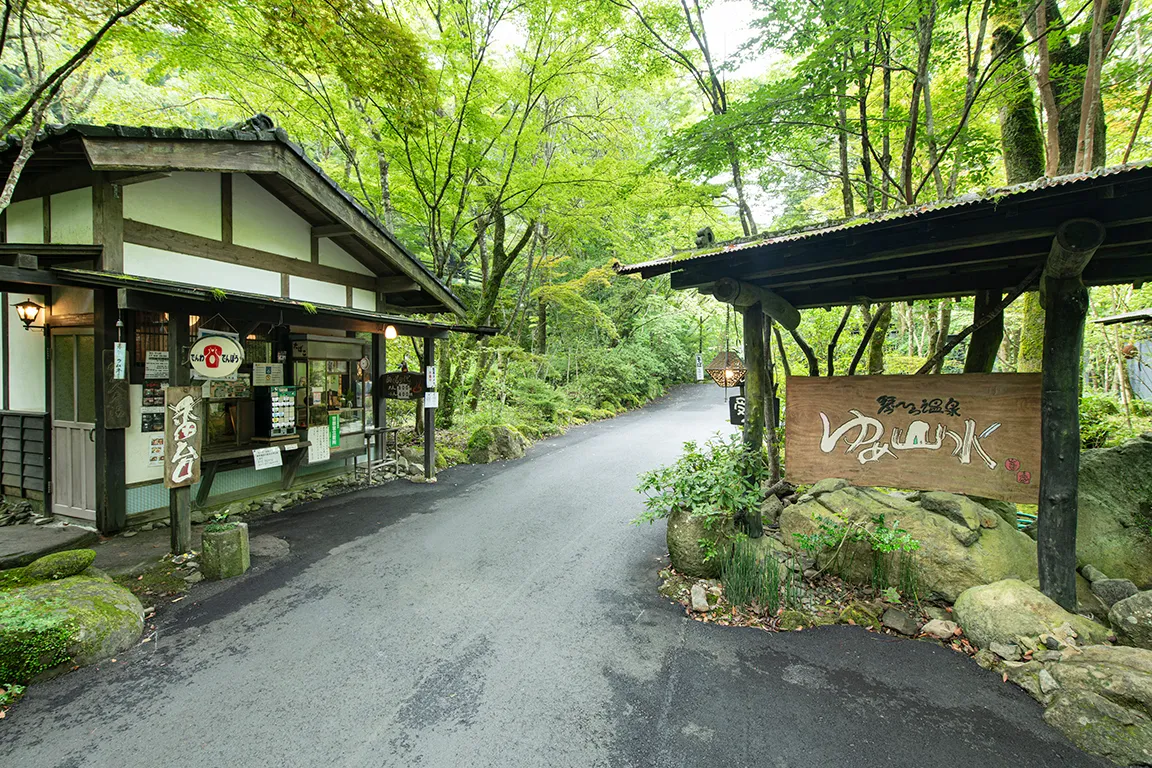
{"x": 727, "y": 369}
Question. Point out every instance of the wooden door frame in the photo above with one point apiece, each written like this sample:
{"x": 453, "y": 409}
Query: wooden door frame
{"x": 50, "y": 334}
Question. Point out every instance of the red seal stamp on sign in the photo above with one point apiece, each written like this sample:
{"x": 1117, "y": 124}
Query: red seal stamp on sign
{"x": 1012, "y": 464}
{"x": 1025, "y": 478}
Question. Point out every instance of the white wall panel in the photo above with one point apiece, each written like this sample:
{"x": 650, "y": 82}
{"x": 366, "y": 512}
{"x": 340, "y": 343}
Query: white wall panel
{"x": 185, "y": 201}
{"x": 72, "y": 216}
{"x": 26, "y": 221}
{"x": 26, "y": 350}
{"x": 332, "y": 255}
{"x": 261, "y": 221}
{"x": 166, "y": 265}
{"x": 306, "y": 289}
{"x": 362, "y": 299}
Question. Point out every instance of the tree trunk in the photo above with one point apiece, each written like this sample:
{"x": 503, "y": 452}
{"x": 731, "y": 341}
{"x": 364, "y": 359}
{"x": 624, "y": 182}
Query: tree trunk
{"x": 876, "y": 343}
{"x": 1020, "y": 139}
{"x": 985, "y": 341}
{"x": 1031, "y": 351}
{"x": 755, "y": 386}
{"x": 541, "y": 340}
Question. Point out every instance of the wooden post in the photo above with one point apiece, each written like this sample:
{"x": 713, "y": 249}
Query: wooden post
{"x": 379, "y": 412}
{"x": 429, "y": 415}
{"x": 1065, "y": 302}
{"x": 179, "y": 375}
{"x": 111, "y": 497}
{"x": 770, "y": 403}
{"x": 754, "y": 383}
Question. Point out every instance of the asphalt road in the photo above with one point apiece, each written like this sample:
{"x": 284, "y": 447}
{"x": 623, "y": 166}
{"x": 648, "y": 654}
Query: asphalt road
{"x": 508, "y": 616}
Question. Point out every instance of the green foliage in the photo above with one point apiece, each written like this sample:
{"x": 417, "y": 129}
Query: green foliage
{"x": 219, "y": 527}
{"x": 717, "y": 482}
{"x": 750, "y": 579}
{"x": 33, "y": 638}
{"x": 891, "y": 546}
{"x": 10, "y": 693}
{"x": 1104, "y": 423}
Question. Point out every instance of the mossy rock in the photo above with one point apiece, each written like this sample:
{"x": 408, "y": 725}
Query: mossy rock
{"x": 226, "y": 552}
{"x": 1006, "y": 610}
{"x": 861, "y": 614}
{"x": 1114, "y": 520}
{"x": 101, "y": 619}
{"x": 790, "y": 620}
{"x": 685, "y": 531}
{"x": 14, "y": 577}
{"x": 496, "y": 442}
{"x": 59, "y": 565}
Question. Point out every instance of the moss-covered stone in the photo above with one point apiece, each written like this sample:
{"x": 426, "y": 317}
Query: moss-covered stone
{"x": 225, "y": 552}
{"x": 1114, "y": 521}
{"x": 59, "y": 565}
{"x": 1007, "y": 610}
{"x": 495, "y": 442}
{"x": 685, "y": 534}
{"x": 790, "y": 620}
{"x": 102, "y": 618}
{"x": 861, "y": 614}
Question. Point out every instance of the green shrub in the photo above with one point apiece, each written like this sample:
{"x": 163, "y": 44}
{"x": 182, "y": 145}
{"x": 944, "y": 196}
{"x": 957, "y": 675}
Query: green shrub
{"x": 584, "y": 412}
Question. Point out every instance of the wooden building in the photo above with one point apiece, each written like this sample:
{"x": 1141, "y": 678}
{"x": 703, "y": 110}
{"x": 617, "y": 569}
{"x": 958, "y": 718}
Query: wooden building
{"x": 1057, "y": 235}
{"x": 153, "y": 237}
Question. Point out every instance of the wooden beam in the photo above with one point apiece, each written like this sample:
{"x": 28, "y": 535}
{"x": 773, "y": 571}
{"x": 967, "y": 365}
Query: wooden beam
{"x": 331, "y": 230}
{"x": 742, "y": 295}
{"x": 181, "y": 242}
{"x": 226, "y": 207}
{"x": 1065, "y": 302}
{"x": 388, "y": 285}
{"x": 128, "y": 179}
{"x": 108, "y": 224}
{"x": 111, "y": 497}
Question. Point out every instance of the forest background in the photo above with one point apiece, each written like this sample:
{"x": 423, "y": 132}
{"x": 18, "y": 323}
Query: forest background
{"x": 521, "y": 147}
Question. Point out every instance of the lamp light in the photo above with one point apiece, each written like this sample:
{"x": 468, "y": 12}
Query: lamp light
{"x": 390, "y": 332}
{"x": 727, "y": 369}
{"x": 28, "y": 311}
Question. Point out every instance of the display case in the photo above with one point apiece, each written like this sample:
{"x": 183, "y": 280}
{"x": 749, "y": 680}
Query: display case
{"x": 332, "y": 387}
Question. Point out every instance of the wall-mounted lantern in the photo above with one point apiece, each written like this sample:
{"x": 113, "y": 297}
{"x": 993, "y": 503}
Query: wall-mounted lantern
{"x": 727, "y": 370}
{"x": 28, "y": 311}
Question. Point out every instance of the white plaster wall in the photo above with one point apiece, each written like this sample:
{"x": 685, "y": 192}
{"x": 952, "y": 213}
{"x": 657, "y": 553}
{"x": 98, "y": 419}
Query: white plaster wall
{"x": 72, "y": 216}
{"x": 362, "y": 299}
{"x": 185, "y": 201}
{"x": 136, "y": 469}
{"x": 26, "y": 221}
{"x": 306, "y": 289}
{"x": 261, "y": 221}
{"x": 26, "y": 384}
{"x": 182, "y": 268}
{"x": 332, "y": 255}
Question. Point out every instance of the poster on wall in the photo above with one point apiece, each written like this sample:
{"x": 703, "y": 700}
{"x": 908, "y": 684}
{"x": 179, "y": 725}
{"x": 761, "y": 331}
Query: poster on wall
{"x": 156, "y": 450}
{"x": 976, "y": 433}
{"x": 155, "y": 365}
{"x": 267, "y": 458}
{"x": 267, "y": 374}
{"x": 333, "y": 430}
{"x": 318, "y": 448}
{"x": 182, "y": 438}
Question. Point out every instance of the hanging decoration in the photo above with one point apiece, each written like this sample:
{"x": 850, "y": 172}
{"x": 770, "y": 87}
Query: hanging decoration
{"x": 727, "y": 369}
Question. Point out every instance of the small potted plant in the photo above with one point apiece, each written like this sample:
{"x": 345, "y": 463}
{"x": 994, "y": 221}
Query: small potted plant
{"x": 225, "y": 549}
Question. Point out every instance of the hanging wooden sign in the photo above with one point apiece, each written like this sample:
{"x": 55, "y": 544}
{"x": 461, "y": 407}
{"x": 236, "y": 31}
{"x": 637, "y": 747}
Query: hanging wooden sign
{"x": 972, "y": 433}
{"x": 402, "y": 385}
{"x": 183, "y": 421}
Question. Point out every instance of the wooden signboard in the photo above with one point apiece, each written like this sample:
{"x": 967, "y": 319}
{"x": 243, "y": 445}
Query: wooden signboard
{"x": 402, "y": 385}
{"x": 976, "y": 433}
{"x": 183, "y": 421}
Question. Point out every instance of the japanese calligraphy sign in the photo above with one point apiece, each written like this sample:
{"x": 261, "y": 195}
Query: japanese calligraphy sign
{"x": 183, "y": 425}
{"x": 970, "y": 433}
{"x": 401, "y": 385}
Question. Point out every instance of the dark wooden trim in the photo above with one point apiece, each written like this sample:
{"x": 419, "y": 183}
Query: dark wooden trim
{"x": 314, "y": 249}
{"x": 165, "y": 239}
{"x": 111, "y": 498}
{"x": 43, "y": 185}
{"x": 128, "y": 179}
{"x": 226, "y": 207}
{"x": 285, "y": 286}
{"x": 348, "y": 296}
{"x": 46, "y": 203}
{"x": 71, "y": 321}
{"x": 108, "y": 224}
{"x": 5, "y": 328}
{"x": 331, "y": 230}
{"x": 4, "y": 226}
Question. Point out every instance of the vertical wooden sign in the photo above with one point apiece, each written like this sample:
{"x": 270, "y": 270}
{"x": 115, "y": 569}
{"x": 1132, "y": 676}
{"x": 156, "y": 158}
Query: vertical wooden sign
{"x": 965, "y": 433}
{"x": 183, "y": 425}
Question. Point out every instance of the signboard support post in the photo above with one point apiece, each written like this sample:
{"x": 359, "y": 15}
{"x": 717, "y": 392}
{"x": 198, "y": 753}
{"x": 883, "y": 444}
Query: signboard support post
{"x": 111, "y": 498}
{"x": 429, "y": 416}
{"x": 179, "y": 375}
{"x": 754, "y": 408}
{"x": 1065, "y": 306}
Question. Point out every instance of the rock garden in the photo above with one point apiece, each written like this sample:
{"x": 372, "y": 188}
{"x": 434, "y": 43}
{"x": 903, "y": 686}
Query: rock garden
{"x": 935, "y": 567}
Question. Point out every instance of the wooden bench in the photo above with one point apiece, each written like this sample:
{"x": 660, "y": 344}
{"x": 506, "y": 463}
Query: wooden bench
{"x": 211, "y": 463}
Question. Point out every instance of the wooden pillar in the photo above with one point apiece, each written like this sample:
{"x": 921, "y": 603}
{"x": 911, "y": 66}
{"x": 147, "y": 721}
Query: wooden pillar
{"x": 429, "y": 415}
{"x": 379, "y": 412}
{"x": 179, "y": 375}
{"x": 111, "y": 496}
{"x": 770, "y": 424}
{"x": 755, "y": 387}
{"x": 1065, "y": 302}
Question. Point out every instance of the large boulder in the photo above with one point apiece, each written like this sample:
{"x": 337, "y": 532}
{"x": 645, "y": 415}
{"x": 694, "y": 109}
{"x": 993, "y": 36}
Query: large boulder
{"x": 1006, "y": 610}
{"x": 78, "y": 620}
{"x": 962, "y": 543}
{"x": 496, "y": 442}
{"x": 686, "y": 532}
{"x": 1131, "y": 618}
{"x": 1102, "y": 701}
{"x": 1112, "y": 527}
